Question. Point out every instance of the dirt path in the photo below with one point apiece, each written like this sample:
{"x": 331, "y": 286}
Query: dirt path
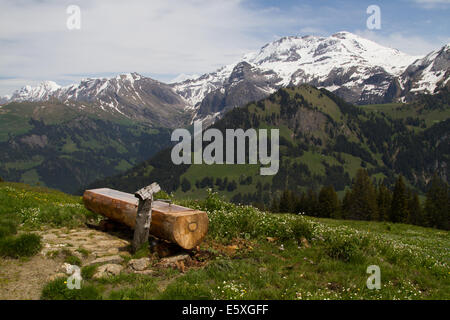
{"x": 24, "y": 279}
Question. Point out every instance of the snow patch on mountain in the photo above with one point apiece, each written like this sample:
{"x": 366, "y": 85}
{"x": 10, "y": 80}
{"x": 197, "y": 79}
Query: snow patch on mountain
{"x": 38, "y": 93}
{"x": 429, "y": 73}
{"x": 183, "y": 77}
{"x": 316, "y": 56}
{"x": 321, "y": 61}
{"x": 358, "y": 70}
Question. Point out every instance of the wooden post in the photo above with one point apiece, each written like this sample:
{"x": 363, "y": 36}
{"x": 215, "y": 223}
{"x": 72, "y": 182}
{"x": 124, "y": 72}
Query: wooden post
{"x": 144, "y": 215}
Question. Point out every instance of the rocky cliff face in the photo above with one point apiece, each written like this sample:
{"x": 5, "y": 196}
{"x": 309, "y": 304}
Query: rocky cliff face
{"x": 428, "y": 74}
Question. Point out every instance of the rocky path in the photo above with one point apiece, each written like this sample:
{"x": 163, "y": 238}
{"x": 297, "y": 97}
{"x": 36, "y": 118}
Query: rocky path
{"x": 86, "y": 244}
{"x": 24, "y": 279}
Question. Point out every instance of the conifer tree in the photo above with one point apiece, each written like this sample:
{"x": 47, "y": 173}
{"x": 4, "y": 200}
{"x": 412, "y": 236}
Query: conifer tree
{"x": 287, "y": 202}
{"x": 185, "y": 185}
{"x": 301, "y": 204}
{"x": 311, "y": 203}
{"x": 328, "y": 203}
{"x": 384, "y": 200}
{"x": 363, "y": 199}
{"x": 399, "y": 204}
{"x": 275, "y": 205}
{"x": 346, "y": 204}
{"x": 414, "y": 209}
{"x": 437, "y": 206}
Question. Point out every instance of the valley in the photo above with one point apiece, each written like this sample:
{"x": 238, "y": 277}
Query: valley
{"x": 225, "y": 158}
{"x": 68, "y": 137}
{"x": 59, "y": 146}
{"x": 323, "y": 141}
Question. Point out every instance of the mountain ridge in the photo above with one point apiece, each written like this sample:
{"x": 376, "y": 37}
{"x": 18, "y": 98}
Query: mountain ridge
{"x": 323, "y": 141}
{"x": 65, "y": 147}
{"x": 356, "y": 69}
{"x": 131, "y": 95}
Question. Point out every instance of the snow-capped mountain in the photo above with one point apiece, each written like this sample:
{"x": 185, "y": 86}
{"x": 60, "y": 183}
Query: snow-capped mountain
{"x": 130, "y": 95}
{"x": 5, "y": 99}
{"x": 183, "y": 77}
{"x": 427, "y": 74}
{"x": 359, "y": 70}
{"x": 41, "y": 92}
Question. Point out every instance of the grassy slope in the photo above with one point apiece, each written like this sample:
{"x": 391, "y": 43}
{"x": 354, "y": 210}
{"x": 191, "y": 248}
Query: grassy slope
{"x": 402, "y": 111}
{"x": 312, "y": 123}
{"x": 76, "y": 137}
{"x": 14, "y": 117}
{"x": 33, "y": 207}
{"x": 244, "y": 264}
{"x": 313, "y": 158}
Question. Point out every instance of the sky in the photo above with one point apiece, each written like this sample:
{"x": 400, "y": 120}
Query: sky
{"x": 165, "y": 38}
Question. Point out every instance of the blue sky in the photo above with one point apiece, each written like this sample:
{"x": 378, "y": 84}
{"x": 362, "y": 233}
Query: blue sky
{"x": 427, "y": 18}
{"x": 165, "y": 38}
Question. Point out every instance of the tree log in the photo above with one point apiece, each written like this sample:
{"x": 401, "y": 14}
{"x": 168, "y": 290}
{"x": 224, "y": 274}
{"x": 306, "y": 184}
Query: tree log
{"x": 183, "y": 226}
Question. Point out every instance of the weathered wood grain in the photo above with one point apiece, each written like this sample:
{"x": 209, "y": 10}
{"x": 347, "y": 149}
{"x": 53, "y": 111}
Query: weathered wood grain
{"x": 148, "y": 191}
{"x": 183, "y": 226}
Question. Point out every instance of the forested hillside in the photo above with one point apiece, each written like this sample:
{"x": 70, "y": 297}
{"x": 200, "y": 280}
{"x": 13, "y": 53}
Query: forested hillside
{"x": 65, "y": 147}
{"x": 323, "y": 141}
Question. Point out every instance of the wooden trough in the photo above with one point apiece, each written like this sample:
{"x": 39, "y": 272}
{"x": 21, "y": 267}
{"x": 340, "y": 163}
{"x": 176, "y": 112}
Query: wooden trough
{"x": 183, "y": 226}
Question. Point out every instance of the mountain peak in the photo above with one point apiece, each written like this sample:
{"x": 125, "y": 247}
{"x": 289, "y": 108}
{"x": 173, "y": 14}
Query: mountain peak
{"x": 50, "y": 85}
{"x": 358, "y": 69}
{"x": 184, "y": 77}
{"x": 316, "y": 56}
{"x": 344, "y": 34}
{"x": 40, "y": 92}
{"x": 130, "y": 76}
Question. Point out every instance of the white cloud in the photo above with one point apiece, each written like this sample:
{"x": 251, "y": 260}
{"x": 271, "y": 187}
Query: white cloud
{"x": 157, "y": 37}
{"x": 413, "y": 45}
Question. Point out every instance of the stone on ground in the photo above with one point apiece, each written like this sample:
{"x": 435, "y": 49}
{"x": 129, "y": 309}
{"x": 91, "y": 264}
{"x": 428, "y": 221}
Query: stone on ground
{"x": 66, "y": 268}
{"x": 139, "y": 264}
{"x": 106, "y": 270}
{"x": 107, "y": 259}
{"x": 57, "y": 276}
{"x": 171, "y": 261}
